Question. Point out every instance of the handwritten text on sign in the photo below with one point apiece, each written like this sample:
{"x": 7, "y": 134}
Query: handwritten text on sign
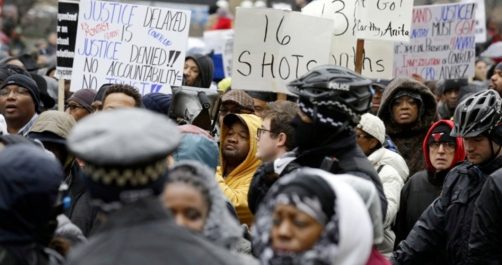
{"x": 130, "y": 44}
{"x": 442, "y": 43}
{"x": 383, "y": 19}
{"x": 377, "y": 56}
{"x": 67, "y": 34}
{"x": 273, "y": 47}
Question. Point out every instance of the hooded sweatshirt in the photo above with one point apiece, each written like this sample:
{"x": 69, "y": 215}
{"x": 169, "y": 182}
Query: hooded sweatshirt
{"x": 206, "y": 69}
{"x": 409, "y": 137}
{"x": 235, "y": 185}
{"x": 423, "y": 187}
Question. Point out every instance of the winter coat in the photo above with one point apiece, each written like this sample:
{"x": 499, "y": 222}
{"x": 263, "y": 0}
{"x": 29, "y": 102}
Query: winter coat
{"x": 408, "y": 138}
{"x": 446, "y": 224}
{"x": 393, "y": 172}
{"x": 423, "y": 188}
{"x": 69, "y": 231}
{"x": 235, "y": 185}
{"x": 486, "y": 232}
{"x": 143, "y": 233}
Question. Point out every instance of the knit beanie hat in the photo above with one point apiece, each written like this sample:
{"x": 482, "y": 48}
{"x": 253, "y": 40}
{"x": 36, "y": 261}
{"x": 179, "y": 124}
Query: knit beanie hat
{"x": 125, "y": 153}
{"x": 26, "y": 82}
{"x": 84, "y": 97}
{"x": 157, "y": 102}
{"x": 441, "y": 134}
{"x": 373, "y": 126}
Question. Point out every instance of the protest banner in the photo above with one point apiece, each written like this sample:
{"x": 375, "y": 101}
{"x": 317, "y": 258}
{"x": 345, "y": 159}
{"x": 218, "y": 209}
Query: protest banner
{"x": 383, "y": 19}
{"x": 378, "y": 56}
{"x": 274, "y": 47}
{"x": 66, "y": 37}
{"x": 480, "y": 20}
{"x": 442, "y": 43}
{"x": 141, "y": 46}
{"x": 221, "y": 43}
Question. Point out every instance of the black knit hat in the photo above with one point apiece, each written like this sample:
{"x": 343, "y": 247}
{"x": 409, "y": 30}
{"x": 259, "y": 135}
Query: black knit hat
{"x": 26, "y": 82}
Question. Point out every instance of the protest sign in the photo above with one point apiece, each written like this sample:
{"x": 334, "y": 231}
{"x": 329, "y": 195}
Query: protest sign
{"x": 141, "y": 46}
{"x": 383, "y": 19}
{"x": 442, "y": 43}
{"x": 274, "y": 47}
{"x": 378, "y": 56}
{"x": 480, "y": 20}
{"x": 67, "y": 34}
{"x": 221, "y": 43}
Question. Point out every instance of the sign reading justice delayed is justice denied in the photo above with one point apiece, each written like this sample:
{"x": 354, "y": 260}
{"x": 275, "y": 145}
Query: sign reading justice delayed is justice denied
{"x": 131, "y": 44}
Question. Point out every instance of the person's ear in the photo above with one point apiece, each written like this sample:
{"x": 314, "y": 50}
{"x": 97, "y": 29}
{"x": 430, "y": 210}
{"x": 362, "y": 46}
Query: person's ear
{"x": 281, "y": 139}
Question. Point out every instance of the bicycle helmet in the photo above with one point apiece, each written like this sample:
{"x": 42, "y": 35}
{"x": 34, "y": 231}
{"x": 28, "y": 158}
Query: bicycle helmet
{"x": 333, "y": 95}
{"x": 477, "y": 114}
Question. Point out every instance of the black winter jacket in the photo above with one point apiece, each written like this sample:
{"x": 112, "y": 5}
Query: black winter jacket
{"x": 446, "y": 224}
{"x": 486, "y": 233}
{"x": 341, "y": 157}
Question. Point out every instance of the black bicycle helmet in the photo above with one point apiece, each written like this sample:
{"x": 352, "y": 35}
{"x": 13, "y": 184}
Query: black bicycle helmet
{"x": 477, "y": 114}
{"x": 333, "y": 92}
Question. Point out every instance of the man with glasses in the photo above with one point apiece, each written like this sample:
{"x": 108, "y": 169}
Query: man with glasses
{"x": 79, "y": 105}
{"x": 276, "y": 137}
{"x": 441, "y": 153}
{"x": 19, "y": 103}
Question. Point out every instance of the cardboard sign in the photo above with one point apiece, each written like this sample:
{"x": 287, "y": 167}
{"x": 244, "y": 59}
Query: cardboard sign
{"x": 378, "y": 57}
{"x": 383, "y": 19}
{"x": 480, "y": 20}
{"x": 274, "y": 47}
{"x": 141, "y": 46}
{"x": 67, "y": 35}
{"x": 442, "y": 43}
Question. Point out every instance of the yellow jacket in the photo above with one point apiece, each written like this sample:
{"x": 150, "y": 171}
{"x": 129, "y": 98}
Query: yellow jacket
{"x": 235, "y": 185}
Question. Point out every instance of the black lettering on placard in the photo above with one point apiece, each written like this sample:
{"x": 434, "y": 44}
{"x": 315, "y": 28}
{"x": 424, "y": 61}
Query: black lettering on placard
{"x": 282, "y": 41}
{"x": 126, "y": 33}
{"x": 339, "y": 14}
{"x": 240, "y": 60}
{"x": 168, "y": 20}
{"x": 92, "y": 66}
{"x": 89, "y": 82}
{"x": 271, "y": 64}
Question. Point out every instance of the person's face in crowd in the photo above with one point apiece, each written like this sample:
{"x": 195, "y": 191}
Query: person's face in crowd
{"x": 441, "y": 154}
{"x": 190, "y": 72}
{"x": 259, "y": 107}
{"x": 496, "y": 80}
{"x": 375, "y": 101}
{"x": 236, "y": 142}
{"x": 480, "y": 71}
{"x": 268, "y": 142}
{"x": 405, "y": 110}
{"x": 230, "y": 107}
{"x": 16, "y": 103}
{"x": 450, "y": 97}
{"x": 365, "y": 141}
{"x": 117, "y": 101}
{"x": 187, "y": 205}
{"x": 479, "y": 149}
{"x": 76, "y": 110}
{"x": 293, "y": 230}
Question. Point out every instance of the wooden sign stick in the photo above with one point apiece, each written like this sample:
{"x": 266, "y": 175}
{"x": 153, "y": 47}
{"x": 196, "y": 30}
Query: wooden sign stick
{"x": 359, "y": 56}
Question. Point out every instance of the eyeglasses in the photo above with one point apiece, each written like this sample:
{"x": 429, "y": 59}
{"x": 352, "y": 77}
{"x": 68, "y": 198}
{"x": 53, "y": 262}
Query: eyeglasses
{"x": 448, "y": 147}
{"x": 16, "y": 90}
{"x": 260, "y": 131}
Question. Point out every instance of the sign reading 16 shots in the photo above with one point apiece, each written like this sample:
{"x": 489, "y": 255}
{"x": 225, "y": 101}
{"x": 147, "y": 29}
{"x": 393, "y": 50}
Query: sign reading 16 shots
{"x": 273, "y": 47}
{"x": 130, "y": 44}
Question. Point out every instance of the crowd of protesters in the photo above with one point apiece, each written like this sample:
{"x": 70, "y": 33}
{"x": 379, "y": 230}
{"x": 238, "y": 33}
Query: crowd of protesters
{"x": 401, "y": 171}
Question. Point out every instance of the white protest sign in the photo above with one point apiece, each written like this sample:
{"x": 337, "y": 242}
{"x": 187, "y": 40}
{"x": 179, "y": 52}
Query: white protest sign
{"x": 274, "y": 47}
{"x": 442, "y": 43}
{"x": 383, "y": 19}
{"x": 378, "y": 56}
{"x": 221, "y": 42}
{"x": 480, "y": 20}
{"x": 129, "y": 44}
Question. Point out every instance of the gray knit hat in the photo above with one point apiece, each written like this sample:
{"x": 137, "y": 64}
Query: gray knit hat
{"x": 125, "y": 152}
